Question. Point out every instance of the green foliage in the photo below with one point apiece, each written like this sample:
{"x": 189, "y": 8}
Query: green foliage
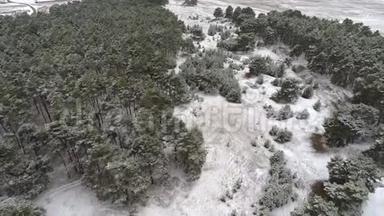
{"x": 188, "y": 46}
{"x": 316, "y": 206}
{"x": 191, "y": 154}
{"x": 350, "y": 182}
{"x": 289, "y": 91}
{"x": 197, "y": 32}
{"x": 213, "y": 29}
{"x": 351, "y": 123}
{"x": 218, "y": 12}
{"x": 284, "y": 113}
{"x": 265, "y": 65}
{"x": 19, "y": 207}
{"x": 350, "y": 53}
{"x": 303, "y": 115}
{"x": 280, "y": 135}
{"x": 279, "y": 189}
{"x": 23, "y": 173}
{"x": 307, "y": 92}
{"x": 361, "y": 169}
{"x": 190, "y": 2}
{"x": 236, "y": 14}
{"x": 229, "y": 12}
{"x": 376, "y": 152}
{"x": 244, "y": 42}
{"x": 207, "y": 74}
{"x": 89, "y": 85}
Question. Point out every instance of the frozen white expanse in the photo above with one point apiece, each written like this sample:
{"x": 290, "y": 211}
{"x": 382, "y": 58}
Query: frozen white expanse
{"x": 229, "y": 130}
{"x": 370, "y": 12}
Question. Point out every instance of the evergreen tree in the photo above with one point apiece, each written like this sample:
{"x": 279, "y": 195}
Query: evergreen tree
{"x": 218, "y": 12}
{"x": 190, "y": 153}
{"x": 229, "y": 12}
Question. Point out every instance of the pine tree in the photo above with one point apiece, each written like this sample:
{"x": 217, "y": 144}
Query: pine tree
{"x": 218, "y": 12}
{"x": 229, "y": 12}
{"x": 190, "y": 153}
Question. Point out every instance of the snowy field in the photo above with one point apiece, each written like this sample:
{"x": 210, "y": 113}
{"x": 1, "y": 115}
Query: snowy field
{"x": 229, "y": 129}
{"x": 370, "y": 12}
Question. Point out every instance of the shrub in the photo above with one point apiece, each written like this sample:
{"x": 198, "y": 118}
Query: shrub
{"x": 190, "y": 2}
{"x": 270, "y": 111}
{"x": 197, "y": 32}
{"x": 260, "y": 79}
{"x": 280, "y": 135}
{"x": 218, "y": 12}
{"x": 277, "y": 82}
{"x": 303, "y": 115}
{"x": 284, "y": 113}
{"x": 225, "y": 35}
{"x": 376, "y": 152}
{"x": 207, "y": 74}
{"x": 279, "y": 189}
{"x": 213, "y": 29}
{"x": 317, "y": 206}
{"x": 229, "y": 12}
{"x": 18, "y": 207}
{"x": 319, "y": 142}
{"x": 265, "y": 65}
{"x": 188, "y": 46}
{"x": 288, "y": 93}
{"x": 317, "y": 106}
{"x": 350, "y": 123}
{"x": 298, "y": 68}
{"x": 307, "y": 92}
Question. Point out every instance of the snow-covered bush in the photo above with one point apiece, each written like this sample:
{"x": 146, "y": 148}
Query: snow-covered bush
{"x": 214, "y": 29}
{"x": 317, "y": 106}
{"x": 350, "y": 182}
{"x": 303, "y": 115}
{"x": 289, "y": 91}
{"x": 376, "y": 152}
{"x": 307, "y": 92}
{"x": 229, "y": 12}
{"x": 190, "y": 153}
{"x": 260, "y": 79}
{"x": 207, "y": 74}
{"x": 280, "y": 135}
{"x": 190, "y": 2}
{"x": 279, "y": 189}
{"x": 23, "y": 175}
{"x": 271, "y": 113}
{"x": 224, "y": 35}
{"x": 284, "y": 113}
{"x": 316, "y": 206}
{"x": 19, "y": 207}
{"x": 218, "y": 12}
{"x": 188, "y": 46}
{"x": 197, "y": 32}
{"x": 277, "y": 82}
{"x": 244, "y": 42}
{"x": 350, "y": 123}
{"x": 298, "y": 68}
{"x": 265, "y": 65}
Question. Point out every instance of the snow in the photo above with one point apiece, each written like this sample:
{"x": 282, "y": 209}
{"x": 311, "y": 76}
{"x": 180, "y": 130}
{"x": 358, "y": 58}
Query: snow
{"x": 375, "y": 205}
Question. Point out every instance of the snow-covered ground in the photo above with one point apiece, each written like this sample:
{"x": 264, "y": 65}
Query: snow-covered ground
{"x": 229, "y": 129}
{"x": 370, "y": 12}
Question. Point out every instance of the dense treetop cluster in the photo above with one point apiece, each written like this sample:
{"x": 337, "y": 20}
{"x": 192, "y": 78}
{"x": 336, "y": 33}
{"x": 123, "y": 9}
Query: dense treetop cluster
{"x": 89, "y": 86}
